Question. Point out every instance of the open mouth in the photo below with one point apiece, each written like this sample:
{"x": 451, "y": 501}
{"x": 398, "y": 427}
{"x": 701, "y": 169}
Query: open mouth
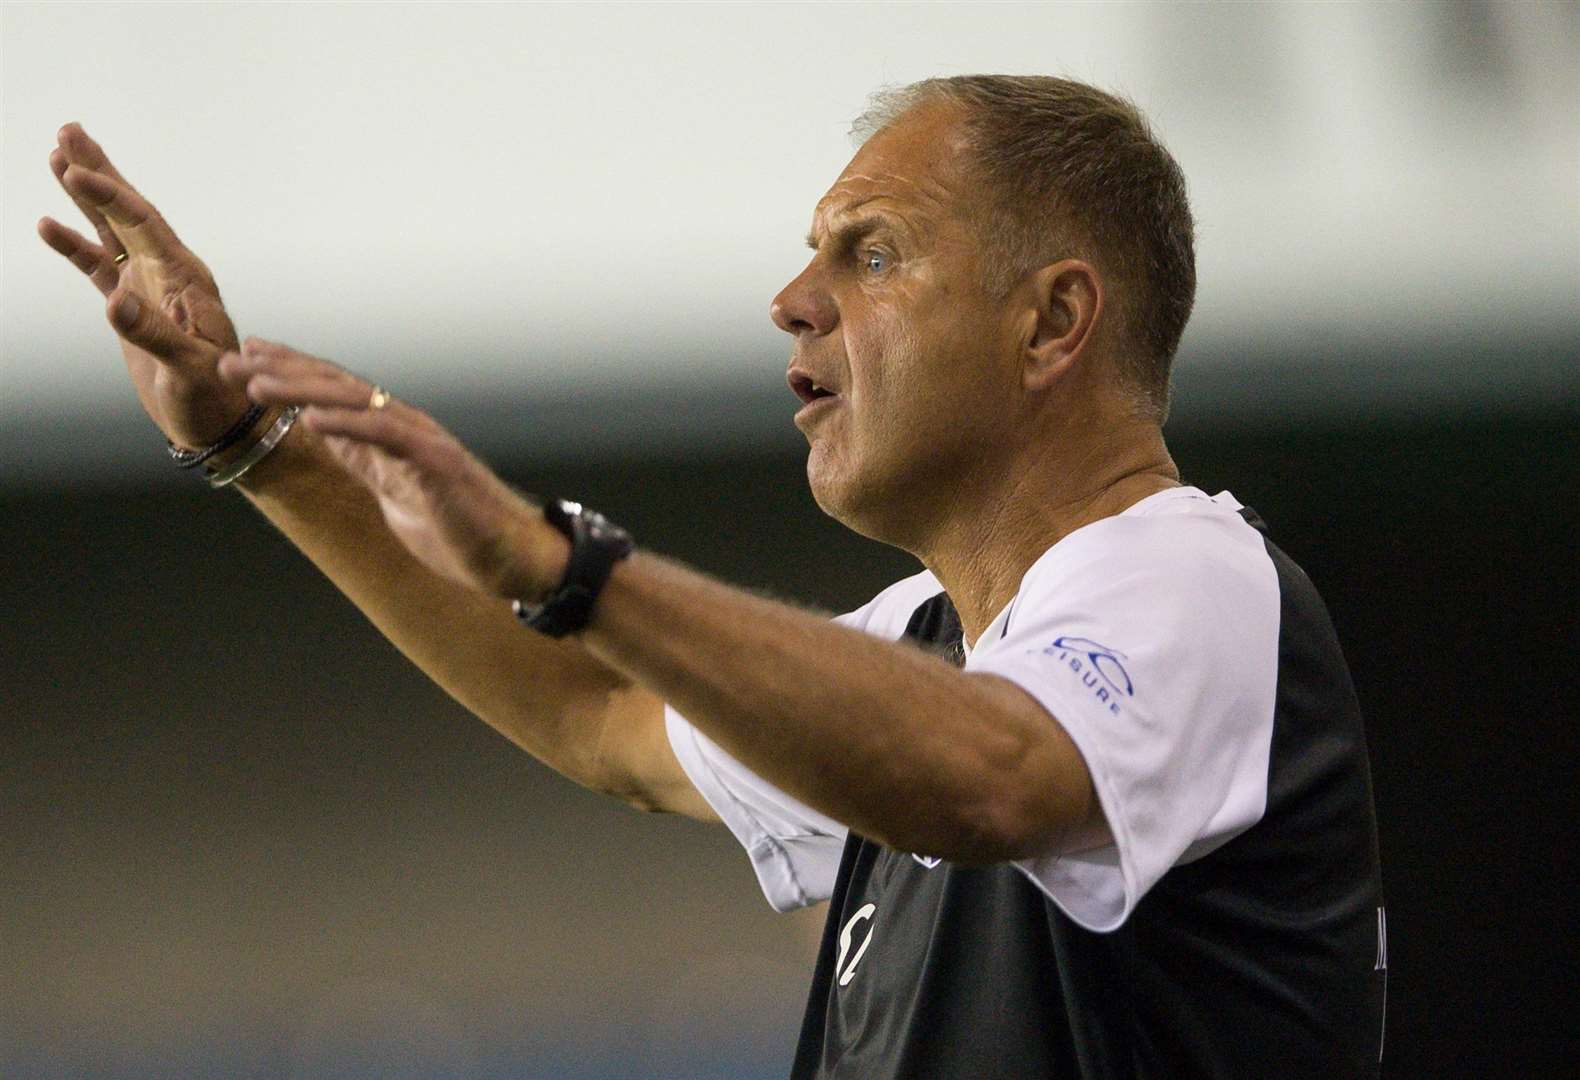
{"x": 807, "y": 389}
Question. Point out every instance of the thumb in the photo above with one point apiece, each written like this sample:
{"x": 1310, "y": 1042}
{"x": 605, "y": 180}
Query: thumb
{"x": 145, "y": 326}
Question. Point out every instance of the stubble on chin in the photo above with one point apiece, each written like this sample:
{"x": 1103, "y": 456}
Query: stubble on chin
{"x": 840, "y": 493}
{"x": 834, "y": 486}
{"x": 821, "y": 477}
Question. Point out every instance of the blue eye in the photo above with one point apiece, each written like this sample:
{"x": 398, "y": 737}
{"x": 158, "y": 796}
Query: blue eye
{"x": 877, "y": 262}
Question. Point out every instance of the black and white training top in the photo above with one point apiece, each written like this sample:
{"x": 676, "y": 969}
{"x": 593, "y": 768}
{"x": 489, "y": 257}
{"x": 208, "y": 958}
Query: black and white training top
{"x": 1233, "y": 927}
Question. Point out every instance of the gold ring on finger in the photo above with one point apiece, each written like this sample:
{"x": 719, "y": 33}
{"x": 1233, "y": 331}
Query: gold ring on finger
{"x": 379, "y": 399}
{"x": 119, "y": 259}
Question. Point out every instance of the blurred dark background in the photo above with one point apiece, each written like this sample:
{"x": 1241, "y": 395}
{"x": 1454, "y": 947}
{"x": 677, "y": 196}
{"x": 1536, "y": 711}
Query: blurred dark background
{"x": 243, "y": 837}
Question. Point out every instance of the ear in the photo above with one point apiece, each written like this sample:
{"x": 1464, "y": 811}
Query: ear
{"x": 1067, "y": 299}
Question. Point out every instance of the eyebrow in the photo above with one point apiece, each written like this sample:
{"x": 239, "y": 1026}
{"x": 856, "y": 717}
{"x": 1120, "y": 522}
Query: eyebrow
{"x": 855, "y": 230}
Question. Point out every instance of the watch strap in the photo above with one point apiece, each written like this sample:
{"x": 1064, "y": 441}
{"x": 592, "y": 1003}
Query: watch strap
{"x": 596, "y": 545}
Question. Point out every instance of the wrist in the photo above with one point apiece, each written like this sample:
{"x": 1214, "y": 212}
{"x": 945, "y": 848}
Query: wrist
{"x": 240, "y": 433}
{"x": 234, "y": 469}
{"x": 590, "y": 548}
{"x": 222, "y": 459}
{"x": 537, "y": 560}
{"x": 300, "y": 454}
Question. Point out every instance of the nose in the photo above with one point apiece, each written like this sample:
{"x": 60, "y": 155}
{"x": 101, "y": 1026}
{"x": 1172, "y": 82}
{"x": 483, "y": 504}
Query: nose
{"x": 804, "y": 306}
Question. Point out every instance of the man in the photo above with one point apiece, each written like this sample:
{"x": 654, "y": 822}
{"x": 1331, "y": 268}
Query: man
{"x": 1113, "y": 820}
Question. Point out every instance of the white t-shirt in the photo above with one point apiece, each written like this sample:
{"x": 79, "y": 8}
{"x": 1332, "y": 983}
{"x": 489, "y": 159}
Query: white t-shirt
{"x": 1151, "y": 637}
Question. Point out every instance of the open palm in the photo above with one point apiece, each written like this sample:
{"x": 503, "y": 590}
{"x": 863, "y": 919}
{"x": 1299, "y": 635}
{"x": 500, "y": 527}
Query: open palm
{"x": 448, "y": 508}
{"x": 163, "y": 301}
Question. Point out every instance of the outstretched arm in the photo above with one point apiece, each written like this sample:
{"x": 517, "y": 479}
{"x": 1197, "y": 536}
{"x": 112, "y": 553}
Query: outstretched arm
{"x": 893, "y": 742}
{"x": 554, "y": 699}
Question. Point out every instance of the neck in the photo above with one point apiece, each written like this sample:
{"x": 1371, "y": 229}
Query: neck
{"x": 996, "y": 529}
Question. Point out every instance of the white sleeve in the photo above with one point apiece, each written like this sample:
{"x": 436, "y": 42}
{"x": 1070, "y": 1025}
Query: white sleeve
{"x": 794, "y": 849}
{"x": 1153, "y": 641}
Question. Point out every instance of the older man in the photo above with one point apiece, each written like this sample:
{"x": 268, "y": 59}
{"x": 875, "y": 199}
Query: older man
{"x": 1113, "y": 820}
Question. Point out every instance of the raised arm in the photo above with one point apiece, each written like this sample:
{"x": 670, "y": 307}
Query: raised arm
{"x": 554, "y": 699}
{"x": 893, "y": 742}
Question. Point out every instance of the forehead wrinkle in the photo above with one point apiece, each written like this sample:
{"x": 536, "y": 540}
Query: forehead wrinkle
{"x": 912, "y": 212}
{"x": 886, "y": 178}
{"x": 842, "y": 223}
{"x": 882, "y": 182}
{"x": 920, "y": 188}
{"x": 928, "y": 194}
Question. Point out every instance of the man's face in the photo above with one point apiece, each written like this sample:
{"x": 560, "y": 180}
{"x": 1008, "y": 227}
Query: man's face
{"x": 906, "y": 366}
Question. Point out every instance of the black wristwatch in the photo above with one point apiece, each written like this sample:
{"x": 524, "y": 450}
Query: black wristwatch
{"x": 596, "y": 545}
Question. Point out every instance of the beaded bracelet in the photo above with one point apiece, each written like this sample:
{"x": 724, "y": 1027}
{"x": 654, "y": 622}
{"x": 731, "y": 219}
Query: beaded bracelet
{"x": 191, "y": 459}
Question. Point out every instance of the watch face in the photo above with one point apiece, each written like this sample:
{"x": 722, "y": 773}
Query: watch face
{"x": 562, "y": 514}
{"x": 572, "y": 518}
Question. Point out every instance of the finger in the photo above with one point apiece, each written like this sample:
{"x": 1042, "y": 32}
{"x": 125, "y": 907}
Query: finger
{"x": 145, "y": 326}
{"x": 388, "y": 429}
{"x": 230, "y": 370}
{"x": 80, "y": 148}
{"x": 286, "y": 365}
{"x": 257, "y": 346}
{"x": 83, "y": 253}
{"x": 258, "y": 356}
{"x": 322, "y": 390}
{"x": 58, "y": 163}
{"x": 275, "y": 374}
{"x": 133, "y": 218}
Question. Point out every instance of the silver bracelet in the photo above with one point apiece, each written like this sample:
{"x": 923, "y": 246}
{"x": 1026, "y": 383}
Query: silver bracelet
{"x": 257, "y": 451}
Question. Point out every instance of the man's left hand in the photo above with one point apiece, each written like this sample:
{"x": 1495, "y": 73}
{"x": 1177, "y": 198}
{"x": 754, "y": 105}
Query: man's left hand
{"x": 448, "y": 508}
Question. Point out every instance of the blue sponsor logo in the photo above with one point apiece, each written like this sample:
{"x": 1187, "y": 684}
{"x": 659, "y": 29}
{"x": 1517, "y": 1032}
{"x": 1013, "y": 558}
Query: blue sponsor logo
{"x": 1101, "y": 669}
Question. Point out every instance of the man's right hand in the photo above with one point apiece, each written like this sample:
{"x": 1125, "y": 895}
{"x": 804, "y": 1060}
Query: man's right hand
{"x": 162, "y": 300}
{"x": 551, "y": 697}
